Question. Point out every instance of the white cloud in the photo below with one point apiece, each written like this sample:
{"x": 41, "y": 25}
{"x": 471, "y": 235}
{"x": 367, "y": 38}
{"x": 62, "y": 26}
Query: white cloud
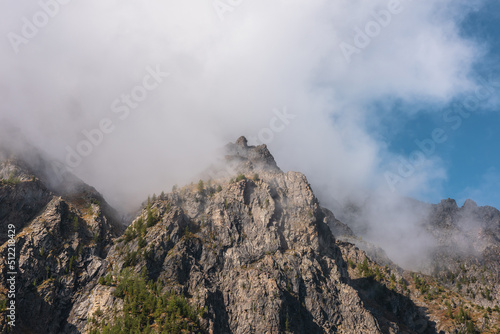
{"x": 226, "y": 77}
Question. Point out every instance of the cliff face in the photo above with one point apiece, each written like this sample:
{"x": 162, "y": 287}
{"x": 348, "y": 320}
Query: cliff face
{"x": 467, "y": 258}
{"x": 60, "y": 240}
{"x": 460, "y": 263}
{"x": 253, "y": 251}
{"x": 249, "y": 251}
{"x": 466, "y": 230}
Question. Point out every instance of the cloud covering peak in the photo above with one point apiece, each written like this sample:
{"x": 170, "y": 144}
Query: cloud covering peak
{"x": 143, "y": 92}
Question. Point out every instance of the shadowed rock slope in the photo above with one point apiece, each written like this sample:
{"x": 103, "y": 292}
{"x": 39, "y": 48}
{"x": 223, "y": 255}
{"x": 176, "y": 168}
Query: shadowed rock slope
{"x": 61, "y": 238}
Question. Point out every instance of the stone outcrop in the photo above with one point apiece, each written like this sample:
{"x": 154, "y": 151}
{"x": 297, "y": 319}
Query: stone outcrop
{"x": 60, "y": 238}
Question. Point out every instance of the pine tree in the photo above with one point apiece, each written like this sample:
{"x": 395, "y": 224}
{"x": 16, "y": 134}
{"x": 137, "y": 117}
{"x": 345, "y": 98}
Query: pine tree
{"x": 201, "y": 187}
{"x": 150, "y": 219}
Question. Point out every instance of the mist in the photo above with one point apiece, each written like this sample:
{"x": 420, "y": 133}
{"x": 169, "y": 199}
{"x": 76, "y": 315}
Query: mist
{"x": 134, "y": 97}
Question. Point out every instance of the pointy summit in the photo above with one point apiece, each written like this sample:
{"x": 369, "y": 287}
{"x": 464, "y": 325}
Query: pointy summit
{"x": 250, "y": 158}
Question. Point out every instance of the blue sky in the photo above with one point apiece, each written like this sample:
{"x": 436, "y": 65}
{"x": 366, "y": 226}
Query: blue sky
{"x": 470, "y": 154}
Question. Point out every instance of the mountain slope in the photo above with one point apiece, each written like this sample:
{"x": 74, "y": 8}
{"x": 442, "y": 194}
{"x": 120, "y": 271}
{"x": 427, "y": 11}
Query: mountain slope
{"x": 253, "y": 252}
{"x": 248, "y": 249}
{"x": 467, "y": 258}
{"x": 60, "y": 239}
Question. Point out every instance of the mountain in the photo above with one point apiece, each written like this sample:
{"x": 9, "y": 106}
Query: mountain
{"x": 467, "y": 256}
{"x": 462, "y": 244}
{"x": 246, "y": 249}
{"x": 61, "y": 235}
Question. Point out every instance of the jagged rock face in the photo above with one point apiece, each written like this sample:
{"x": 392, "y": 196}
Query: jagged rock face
{"x": 468, "y": 248}
{"x": 60, "y": 244}
{"x": 471, "y": 227}
{"x": 336, "y": 226}
{"x": 59, "y": 253}
{"x": 19, "y": 204}
{"x": 394, "y": 308}
{"x": 250, "y": 158}
{"x": 463, "y": 244}
{"x": 257, "y": 253}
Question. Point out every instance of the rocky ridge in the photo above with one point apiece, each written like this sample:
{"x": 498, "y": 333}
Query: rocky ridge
{"x": 61, "y": 238}
{"x": 467, "y": 258}
{"x": 248, "y": 251}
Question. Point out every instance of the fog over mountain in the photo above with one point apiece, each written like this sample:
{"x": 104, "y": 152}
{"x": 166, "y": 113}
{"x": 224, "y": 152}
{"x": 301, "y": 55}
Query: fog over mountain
{"x": 134, "y": 97}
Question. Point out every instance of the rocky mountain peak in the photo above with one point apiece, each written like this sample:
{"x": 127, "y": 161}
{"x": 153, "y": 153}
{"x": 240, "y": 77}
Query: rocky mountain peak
{"x": 242, "y": 142}
{"x": 448, "y": 204}
{"x": 469, "y": 204}
{"x": 28, "y": 182}
{"x": 245, "y": 158}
